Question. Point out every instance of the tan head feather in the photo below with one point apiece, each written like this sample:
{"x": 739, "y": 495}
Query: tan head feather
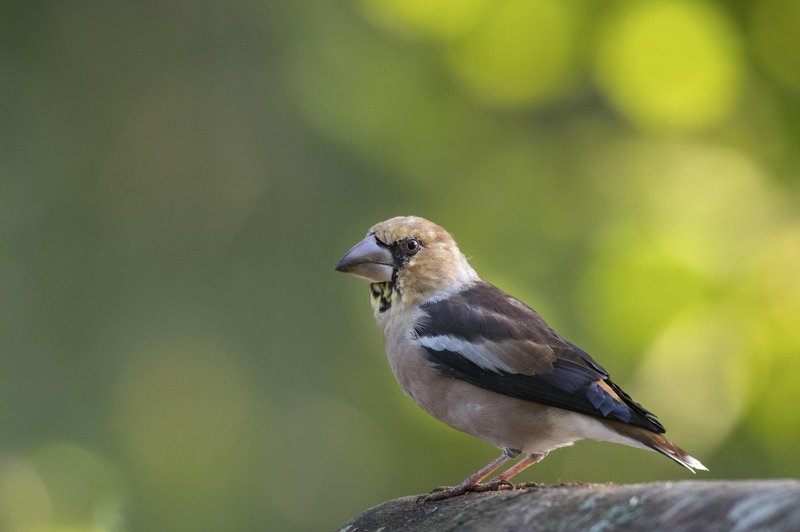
{"x": 436, "y": 270}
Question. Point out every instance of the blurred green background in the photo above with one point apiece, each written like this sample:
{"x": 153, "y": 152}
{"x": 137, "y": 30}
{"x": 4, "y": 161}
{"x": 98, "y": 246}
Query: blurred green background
{"x": 178, "y": 179}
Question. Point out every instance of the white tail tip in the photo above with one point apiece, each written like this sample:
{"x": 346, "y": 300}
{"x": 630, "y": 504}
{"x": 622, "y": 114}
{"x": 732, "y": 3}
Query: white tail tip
{"x": 694, "y": 463}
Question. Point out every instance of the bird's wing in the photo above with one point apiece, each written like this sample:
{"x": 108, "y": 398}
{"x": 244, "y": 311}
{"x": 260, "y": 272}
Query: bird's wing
{"x": 483, "y": 336}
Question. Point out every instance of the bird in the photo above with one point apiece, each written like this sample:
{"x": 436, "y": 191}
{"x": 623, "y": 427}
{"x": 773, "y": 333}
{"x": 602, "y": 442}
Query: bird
{"x": 484, "y": 362}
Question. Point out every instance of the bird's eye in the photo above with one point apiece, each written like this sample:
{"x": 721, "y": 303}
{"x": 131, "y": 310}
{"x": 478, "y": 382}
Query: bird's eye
{"x": 411, "y": 246}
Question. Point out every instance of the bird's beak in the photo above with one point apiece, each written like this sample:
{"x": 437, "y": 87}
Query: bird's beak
{"x": 369, "y": 260}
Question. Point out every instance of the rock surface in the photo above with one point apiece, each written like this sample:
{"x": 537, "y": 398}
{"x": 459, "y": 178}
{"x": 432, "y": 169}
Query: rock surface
{"x": 748, "y": 505}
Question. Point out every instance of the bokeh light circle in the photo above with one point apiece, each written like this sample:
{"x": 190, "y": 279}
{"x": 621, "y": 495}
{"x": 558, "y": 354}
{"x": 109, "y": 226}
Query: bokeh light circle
{"x": 523, "y": 52}
{"x": 670, "y": 64}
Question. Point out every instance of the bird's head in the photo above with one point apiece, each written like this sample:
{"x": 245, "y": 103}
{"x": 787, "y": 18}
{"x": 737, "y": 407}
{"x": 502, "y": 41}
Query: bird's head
{"x": 416, "y": 258}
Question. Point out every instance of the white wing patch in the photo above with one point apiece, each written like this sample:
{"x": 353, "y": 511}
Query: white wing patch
{"x": 477, "y": 353}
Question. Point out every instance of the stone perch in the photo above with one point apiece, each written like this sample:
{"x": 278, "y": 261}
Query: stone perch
{"x": 705, "y": 506}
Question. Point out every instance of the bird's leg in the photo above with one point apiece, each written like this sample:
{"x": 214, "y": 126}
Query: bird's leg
{"x": 504, "y": 479}
{"x": 472, "y": 481}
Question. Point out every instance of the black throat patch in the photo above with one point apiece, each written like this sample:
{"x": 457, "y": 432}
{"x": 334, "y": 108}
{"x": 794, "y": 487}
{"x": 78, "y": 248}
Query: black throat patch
{"x": 382, "y": 294}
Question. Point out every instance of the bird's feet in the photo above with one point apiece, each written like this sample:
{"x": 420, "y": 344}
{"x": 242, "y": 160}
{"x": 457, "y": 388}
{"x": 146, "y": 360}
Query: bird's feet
{"x": 445, "y": 492}
{"x": 497, "y": 484}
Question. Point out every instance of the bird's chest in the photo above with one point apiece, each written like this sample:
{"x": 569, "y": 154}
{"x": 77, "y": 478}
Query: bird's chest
{"x": 416, "y": 375}
{"x": 405, "y": 354}
{"x": 454, "y": 402}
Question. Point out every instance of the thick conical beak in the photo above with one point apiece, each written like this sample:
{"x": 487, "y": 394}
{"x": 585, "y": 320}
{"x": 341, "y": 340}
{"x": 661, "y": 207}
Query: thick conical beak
{"x": 369, "y": 260}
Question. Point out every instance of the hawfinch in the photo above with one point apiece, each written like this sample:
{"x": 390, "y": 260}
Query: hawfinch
{"x": 484, "y": 362}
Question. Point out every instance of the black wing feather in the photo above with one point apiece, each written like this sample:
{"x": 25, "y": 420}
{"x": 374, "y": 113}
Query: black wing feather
{"x": 571, "y": 380}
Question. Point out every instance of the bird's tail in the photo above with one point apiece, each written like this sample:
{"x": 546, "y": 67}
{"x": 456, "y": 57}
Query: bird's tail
{"x": 660, "y": 444}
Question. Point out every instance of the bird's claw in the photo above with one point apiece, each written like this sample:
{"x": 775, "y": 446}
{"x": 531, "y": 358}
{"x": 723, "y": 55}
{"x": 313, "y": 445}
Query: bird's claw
{"x": 445, "y": 492}
{"x": 499, "y": 484}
